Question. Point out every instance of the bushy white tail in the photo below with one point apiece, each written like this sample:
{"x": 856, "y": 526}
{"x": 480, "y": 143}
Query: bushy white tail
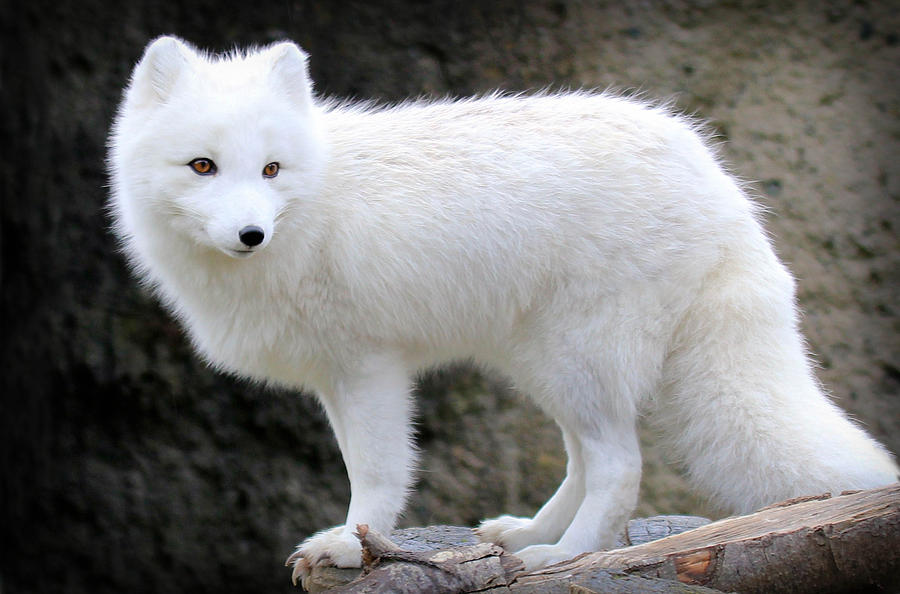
{"x": 740, "y": 402}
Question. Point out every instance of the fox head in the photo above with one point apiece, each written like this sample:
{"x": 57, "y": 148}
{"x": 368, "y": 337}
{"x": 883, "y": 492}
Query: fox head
{"x": 213, "y": 151}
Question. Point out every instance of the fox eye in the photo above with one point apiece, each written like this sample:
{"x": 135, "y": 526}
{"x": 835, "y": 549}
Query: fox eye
{"x": 203, "y": 166}
{"x": 271, "y": 170}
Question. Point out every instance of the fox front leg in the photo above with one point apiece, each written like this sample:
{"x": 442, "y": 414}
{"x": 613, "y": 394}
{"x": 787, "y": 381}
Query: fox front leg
{"x": 370, "y": 414}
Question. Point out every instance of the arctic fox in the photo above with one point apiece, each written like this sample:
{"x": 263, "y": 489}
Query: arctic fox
{"x": 588, "y": 246}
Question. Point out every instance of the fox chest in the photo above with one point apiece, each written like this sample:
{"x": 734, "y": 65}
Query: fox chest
{"x": 261, "y": 340}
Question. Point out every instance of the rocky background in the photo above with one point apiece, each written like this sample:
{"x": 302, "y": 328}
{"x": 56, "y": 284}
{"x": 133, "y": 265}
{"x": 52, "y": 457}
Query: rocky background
{"x": 127, "y": 466}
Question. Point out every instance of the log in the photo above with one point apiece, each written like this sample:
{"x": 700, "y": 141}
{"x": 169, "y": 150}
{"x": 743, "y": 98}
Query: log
{"x": 813, "y": 544}
{"x": 324, "y": 578}
{"x": 432, "y": 538}
{"x": 388, "y": 569}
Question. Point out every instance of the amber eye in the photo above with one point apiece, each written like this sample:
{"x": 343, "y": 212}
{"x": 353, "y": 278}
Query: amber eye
{"x": 203, "y": 166}
{"x": 270, "y": 170}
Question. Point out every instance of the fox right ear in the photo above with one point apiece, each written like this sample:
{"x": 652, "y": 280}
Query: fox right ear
{"x": 163, "y": 62}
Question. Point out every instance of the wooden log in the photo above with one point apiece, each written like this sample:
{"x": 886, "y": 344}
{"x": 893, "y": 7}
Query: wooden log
{"x": 820, "y": 544}
{"x": 388, "y": 569}
{"x": 325, "y": 578}
{"x": 432, "y": 538}
{"x": 814, "y": 544}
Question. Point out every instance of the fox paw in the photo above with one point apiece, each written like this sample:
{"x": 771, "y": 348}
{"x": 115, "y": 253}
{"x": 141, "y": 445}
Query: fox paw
{"x": 336, "y": 546}
{"x": 510, "y": 532}
{"x": 540, "y": 556}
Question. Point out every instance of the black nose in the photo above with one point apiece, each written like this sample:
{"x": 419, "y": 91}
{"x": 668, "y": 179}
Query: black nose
{"x": 251, "y": 235}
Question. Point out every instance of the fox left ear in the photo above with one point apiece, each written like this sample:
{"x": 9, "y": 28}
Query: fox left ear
{"x": 289, "y": 68}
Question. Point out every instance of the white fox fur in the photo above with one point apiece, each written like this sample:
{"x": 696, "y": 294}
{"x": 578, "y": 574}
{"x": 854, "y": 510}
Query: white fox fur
{"x": 590, "y": 247}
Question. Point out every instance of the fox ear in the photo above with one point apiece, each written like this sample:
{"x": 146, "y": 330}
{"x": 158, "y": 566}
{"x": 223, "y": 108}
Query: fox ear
{"x": 163, "y": 63}
{"x": 290, "y": 71}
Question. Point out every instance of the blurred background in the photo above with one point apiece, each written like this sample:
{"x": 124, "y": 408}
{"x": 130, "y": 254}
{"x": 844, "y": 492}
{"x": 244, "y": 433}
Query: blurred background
{"x": 127, "y": 466}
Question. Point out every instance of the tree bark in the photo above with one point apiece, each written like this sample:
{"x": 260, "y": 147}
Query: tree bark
{"x": 813, "y": 544}
{"x": 432, "y": 538}
{"x": 817, "y": 544}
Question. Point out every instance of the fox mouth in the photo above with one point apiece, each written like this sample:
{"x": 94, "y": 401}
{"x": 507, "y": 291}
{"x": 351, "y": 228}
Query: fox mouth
{"x": 239, "y": 253}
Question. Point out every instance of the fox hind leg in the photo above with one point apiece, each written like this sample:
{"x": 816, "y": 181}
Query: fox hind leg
{"x": 548, "y": 525}
{"x": 592, "y": 386}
